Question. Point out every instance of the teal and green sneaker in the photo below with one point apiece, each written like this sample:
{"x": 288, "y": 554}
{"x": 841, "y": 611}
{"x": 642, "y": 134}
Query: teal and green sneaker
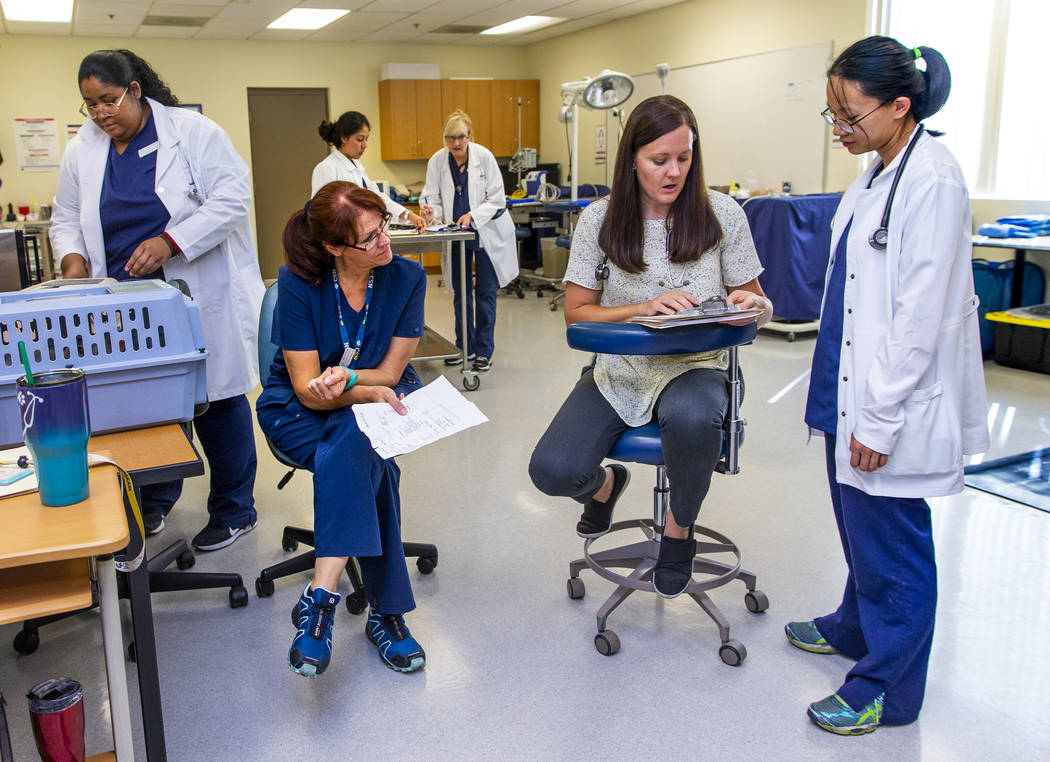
{"x": 835, "y": 715}
{"x": 396, "y": 646}
{"x": 806, "y": 636}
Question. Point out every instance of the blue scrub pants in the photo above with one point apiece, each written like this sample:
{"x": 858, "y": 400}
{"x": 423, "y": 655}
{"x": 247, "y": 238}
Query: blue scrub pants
{"x": 886, "y": 617}
{"x": 481, "y": 301}
{"x": 357, "y": 506}
{"x": 228, "y": 440}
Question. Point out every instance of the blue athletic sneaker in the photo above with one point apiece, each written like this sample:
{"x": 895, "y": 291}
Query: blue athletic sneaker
{"x": 312, "y": 647}
{"x": 836, "y": 716}
{"x": 398, "y": 649}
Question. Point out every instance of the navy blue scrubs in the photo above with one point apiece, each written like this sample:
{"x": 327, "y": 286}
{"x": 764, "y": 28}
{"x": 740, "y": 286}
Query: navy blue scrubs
{"x": 131, "y": 212}
{"x": 886, "y": 617}
{"x": 357, "y": 508}
{"x": 481, "y": 298}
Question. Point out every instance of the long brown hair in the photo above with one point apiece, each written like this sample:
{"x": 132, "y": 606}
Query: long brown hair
{"x": 332, "y": 216}
{"x": 693, "y": 224}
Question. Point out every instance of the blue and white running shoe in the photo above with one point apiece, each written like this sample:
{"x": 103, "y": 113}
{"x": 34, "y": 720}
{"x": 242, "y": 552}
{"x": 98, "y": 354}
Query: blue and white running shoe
{"x": 396, "y": 646}
{"x": 312, "y": 647}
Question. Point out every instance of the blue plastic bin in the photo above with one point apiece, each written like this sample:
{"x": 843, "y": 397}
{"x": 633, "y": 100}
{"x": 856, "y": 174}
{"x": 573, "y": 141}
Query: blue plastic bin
{"x": 139, "y": 342}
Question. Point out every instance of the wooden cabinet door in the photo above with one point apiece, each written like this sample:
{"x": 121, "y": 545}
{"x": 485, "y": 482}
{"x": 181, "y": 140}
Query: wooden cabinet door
{"x": 453, "y": 96}
{"x": 529, "y": 92}
{"x": 428, "y": 117}
{"x": 504, "y": 118}
{"x": 479, "y": 108}
{"x": 397, "y": 119}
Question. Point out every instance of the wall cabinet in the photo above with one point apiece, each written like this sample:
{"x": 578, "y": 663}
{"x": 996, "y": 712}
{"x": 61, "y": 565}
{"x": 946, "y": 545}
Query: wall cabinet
{"x": 412, "y": 113}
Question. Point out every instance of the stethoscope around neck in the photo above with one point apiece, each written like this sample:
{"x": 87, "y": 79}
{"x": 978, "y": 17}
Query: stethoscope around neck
{"x": 880, "y": 236}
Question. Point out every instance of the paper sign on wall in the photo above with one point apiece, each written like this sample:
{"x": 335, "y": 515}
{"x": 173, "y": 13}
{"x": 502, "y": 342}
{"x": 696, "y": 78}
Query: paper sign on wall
{"x": 599, "y": 144}
{"x": 36, "y": 141}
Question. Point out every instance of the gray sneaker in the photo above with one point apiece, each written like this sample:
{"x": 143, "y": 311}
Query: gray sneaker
{"x": 806, "y": 636}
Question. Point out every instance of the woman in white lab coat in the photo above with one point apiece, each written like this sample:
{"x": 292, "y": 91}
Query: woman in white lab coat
{"x": 897, "y": 384}
{"x": 349, "y": 137}
{"x": 465, "y": 187}
{"x": 150, "y": 190}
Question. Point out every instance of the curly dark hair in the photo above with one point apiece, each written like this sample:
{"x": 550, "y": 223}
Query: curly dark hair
{"x": 121, "y": 68}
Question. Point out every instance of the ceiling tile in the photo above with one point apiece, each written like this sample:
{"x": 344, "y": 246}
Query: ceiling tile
{"x": 232, "y": 29}
{"x": 346, "y": 5}
{"x": 167, "y": 31}
{"x": 282, "y": 34}
{"x": 111, "y": 29}
{"x": 255, "y": 9}
{"x": 443, "y": 39}
{"x": 183, "y": 10}
{"x": 579, "y": 8}
{"x": 365, "y": 21}
{"x": 39, "y": 27}
{"x": 461, "y": 7}
{"x": 397, "y": 6}
{"x": 117, "y": 13}
{"x": 212, "y": 3}
{"x": 419, "y": 23}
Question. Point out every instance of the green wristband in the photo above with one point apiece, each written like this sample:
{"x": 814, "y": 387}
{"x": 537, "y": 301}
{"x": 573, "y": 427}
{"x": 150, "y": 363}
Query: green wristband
{"x": 353, "y": 378}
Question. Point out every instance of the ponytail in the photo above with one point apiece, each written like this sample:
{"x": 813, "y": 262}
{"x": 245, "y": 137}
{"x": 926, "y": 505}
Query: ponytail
{"x": 307, "y": 257}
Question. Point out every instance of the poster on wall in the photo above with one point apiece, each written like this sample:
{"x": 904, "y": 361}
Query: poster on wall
{"x": 36, "y": 141}
{"x": 71, "y": 131}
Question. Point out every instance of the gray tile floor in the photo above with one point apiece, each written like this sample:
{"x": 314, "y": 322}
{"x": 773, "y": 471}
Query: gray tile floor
{"x": 512, "y": 672}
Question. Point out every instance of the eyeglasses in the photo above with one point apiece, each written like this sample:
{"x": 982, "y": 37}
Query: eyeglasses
{"x": 842, "y": 124}
{"x": 96, "y": 110}
{"x": 370, "y": 243}
{"x": 456, "y": 138}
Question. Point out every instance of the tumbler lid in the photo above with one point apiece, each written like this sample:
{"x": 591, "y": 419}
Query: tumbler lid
{"x": 54, "y": 695}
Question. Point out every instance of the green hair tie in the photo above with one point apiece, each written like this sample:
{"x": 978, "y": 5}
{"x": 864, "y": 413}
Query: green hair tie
{"x": 918, "y": 53}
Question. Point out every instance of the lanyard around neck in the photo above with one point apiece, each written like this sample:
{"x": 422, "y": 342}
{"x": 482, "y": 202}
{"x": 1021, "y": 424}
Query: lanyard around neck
{"x": 352, "y": 361}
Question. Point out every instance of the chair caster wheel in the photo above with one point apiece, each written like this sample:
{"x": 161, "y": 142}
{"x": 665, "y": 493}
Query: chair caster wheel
{"x": 426, "y": 565}
{"x": 733, "y": 653}
{"x": 185, "y": 560}
{"x": 756, "y": 601}
{"x": 289, "y": 543}
{"x": 470, "y": 383}
{"x": 132, "y": 654}
{"x": 263, "y": 589}
{"x": 554, "y": 308}
{"x": 238, "y": 597}
{"x": 607, "y": 642}
{"x": 26, "y": 642}
{"x": 539, "y": 293}
{"x": 356, "y": 603}
{"x": 576, "y": 590}
{"x": 521, "y": 294}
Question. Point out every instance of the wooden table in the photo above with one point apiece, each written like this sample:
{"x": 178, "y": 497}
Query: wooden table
{"x": 45, "y": 569}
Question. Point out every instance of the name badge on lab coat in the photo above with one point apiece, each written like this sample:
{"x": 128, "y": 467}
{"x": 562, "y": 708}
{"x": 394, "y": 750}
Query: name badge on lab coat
{"x": 147, "y": 150}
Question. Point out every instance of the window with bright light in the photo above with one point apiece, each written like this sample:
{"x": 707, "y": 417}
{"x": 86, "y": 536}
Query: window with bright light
{"x": 996, "y": 116}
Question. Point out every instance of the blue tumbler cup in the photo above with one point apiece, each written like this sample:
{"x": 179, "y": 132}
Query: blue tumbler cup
{"x": 56, "y": 427}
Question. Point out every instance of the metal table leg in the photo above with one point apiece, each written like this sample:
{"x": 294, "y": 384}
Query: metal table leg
{"x": 113, "y": 644}
{"x": 470, "y": 376}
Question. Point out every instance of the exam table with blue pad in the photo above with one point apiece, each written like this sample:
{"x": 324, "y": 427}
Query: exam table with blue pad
{"x": 641, "y": 444}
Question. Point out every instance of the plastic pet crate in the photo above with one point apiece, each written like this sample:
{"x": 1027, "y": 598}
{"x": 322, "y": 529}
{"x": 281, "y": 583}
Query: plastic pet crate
{"x": 139, "y": 342}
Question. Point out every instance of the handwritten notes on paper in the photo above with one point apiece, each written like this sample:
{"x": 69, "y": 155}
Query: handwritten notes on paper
{"x": 434, "y": 412}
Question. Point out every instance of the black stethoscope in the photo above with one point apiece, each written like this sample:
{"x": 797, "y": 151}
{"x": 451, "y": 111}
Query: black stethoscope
{"x": 881, "y": 235}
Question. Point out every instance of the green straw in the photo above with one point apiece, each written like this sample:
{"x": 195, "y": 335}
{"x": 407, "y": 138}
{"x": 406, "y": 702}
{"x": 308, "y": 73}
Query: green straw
{"x": 25, "y": 362}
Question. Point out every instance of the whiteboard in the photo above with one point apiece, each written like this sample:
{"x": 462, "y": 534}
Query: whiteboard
{"x": 759, "y": 115}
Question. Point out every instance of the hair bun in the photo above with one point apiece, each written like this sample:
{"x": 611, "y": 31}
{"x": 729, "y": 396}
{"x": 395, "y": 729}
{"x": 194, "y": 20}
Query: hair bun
{"x": 938, "y": 80}
{"x": 325, "y": 130}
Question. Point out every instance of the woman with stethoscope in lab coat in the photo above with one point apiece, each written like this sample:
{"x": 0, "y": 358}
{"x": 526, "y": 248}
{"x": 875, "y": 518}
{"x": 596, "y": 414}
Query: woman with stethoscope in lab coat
{"x": 150, "y": 190}
{"x": 349, "y": 137}
{"x": 465, "y": 186}
{"x": 897, "y": 384}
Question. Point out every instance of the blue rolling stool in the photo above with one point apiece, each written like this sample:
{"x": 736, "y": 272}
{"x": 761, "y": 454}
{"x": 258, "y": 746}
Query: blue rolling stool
{"x": 426, "y": 555}
{"x": 642, "y": 445}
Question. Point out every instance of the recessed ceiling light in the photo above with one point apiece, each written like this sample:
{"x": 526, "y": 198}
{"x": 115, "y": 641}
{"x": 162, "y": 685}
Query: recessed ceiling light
{"x": 54, "y": 11}
{"x": 308, "y": 18}
{"x": 524, "y": 24}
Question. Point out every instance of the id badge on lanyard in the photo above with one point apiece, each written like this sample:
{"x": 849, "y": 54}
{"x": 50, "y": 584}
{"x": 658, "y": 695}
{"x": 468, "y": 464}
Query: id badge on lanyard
{"x": 351, "y": 354}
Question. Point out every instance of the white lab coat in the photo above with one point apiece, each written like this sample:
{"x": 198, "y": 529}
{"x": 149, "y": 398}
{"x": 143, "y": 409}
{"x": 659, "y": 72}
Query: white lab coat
{"x": 338, "y": 166}
{"x": 487, "y": 198}
{"x": 218, "y": 260}
{"x": 911, "y": 380}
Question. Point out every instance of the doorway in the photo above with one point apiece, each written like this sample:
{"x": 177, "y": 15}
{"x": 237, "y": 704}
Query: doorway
{"x": 283, "y": 124}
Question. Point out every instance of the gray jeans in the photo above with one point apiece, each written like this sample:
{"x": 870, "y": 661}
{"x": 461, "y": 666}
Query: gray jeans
{"x": 567, "y": 461}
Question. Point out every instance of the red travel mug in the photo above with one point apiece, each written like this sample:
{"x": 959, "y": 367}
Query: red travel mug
{"x": 56, "y": 708}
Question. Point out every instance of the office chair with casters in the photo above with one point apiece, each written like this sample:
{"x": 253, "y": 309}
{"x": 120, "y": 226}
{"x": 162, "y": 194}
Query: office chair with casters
{"x": 426, "y": 555}
{"x": 641, "y": 444}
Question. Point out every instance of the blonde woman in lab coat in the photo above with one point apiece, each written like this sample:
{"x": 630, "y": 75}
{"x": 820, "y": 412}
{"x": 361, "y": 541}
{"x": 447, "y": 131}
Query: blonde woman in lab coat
{"x": 897, "y": 385}
{"x": 465, "y": 186}
{"x": 348, "y": 135}
{"x": 150, "y": 190}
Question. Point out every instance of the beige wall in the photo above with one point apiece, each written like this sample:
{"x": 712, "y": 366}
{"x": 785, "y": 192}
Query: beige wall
{"x": 682, "y": 35}
{"x": 39, "y": 80}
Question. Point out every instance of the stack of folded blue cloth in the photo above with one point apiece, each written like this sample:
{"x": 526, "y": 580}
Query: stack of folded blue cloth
{"x": 1020, "y": 226}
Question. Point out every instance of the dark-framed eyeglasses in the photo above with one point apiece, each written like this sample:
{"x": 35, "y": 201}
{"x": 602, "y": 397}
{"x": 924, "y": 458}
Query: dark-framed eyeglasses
{"x": 842, "y": 124}
{"x": 370, "y": 243}
{"x": 96, "y": 110}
